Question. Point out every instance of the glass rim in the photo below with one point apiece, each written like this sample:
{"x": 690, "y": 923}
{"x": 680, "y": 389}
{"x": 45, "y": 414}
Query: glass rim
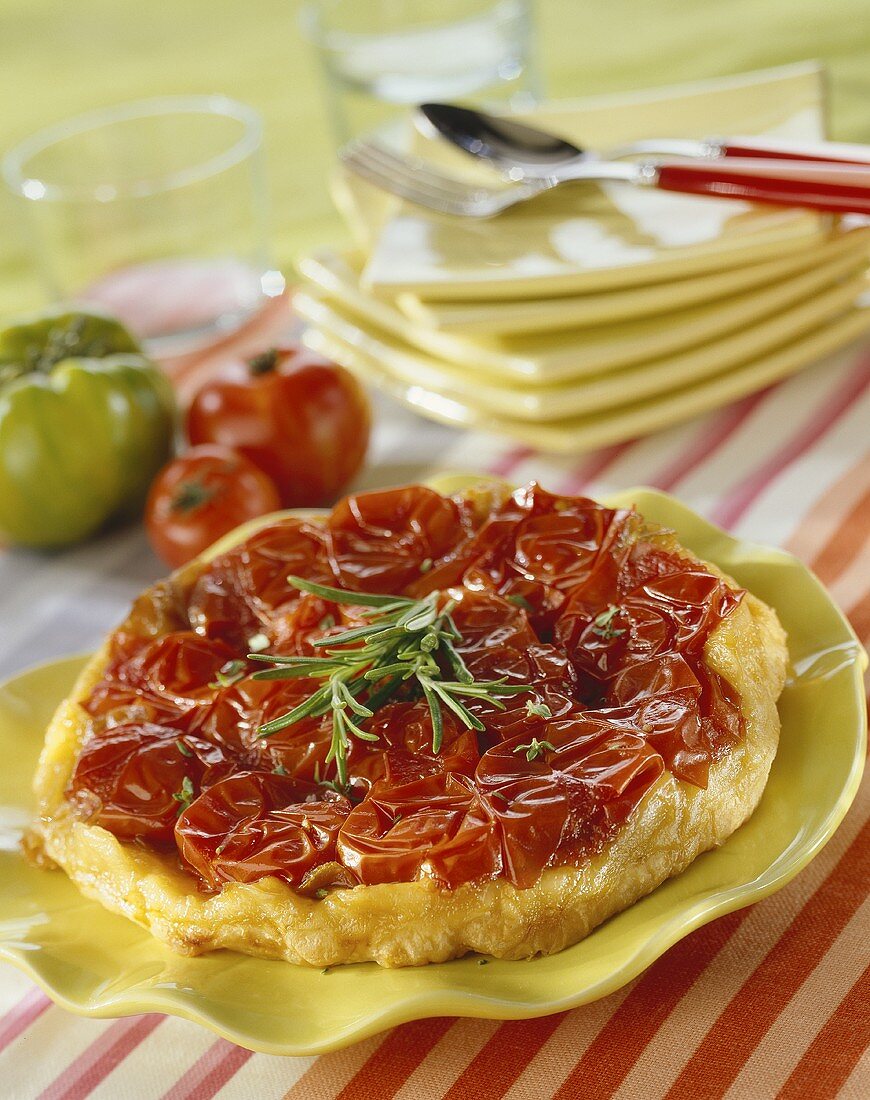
{"x": 19, "y": 181}
{"x": 311, "y": 21}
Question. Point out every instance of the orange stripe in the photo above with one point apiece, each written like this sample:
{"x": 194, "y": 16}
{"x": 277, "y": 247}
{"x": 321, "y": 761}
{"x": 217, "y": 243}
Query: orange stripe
{"x": 388, "y": 1068}
{"x": 503, "y": 1058}
{"x": 557, "y": 1057}
{"x": 850, "y": 538}
{"x": 859, "y": 617}
{"x": 820, "y": 526}
{"x": 261, "y": 328}
{"x": 447, "y": 1059}
{"x": 837, "y": 1048}
{"x": 331, "y": 1072}
{"x": 620, "y": 1043}
{"x": 749, "y": 1015}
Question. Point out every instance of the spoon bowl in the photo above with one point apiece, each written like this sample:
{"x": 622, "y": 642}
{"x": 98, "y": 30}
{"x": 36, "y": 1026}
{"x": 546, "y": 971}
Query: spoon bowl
{"x": 511, "y": 146}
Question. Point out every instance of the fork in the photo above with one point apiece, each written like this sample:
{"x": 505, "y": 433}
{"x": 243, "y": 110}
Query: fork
{"x": 413, "y": 179}
{"x": 837, "y": 188}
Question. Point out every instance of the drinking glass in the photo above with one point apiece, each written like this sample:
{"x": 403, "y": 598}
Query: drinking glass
{"x": 381, "y": 56}
{"x": 155, "y": 211}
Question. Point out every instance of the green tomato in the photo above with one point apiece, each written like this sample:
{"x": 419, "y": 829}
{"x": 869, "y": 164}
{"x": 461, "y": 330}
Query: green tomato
{"x": 86, "y": 421}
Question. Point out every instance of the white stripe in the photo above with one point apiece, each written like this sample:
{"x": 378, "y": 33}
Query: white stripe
{"x": 647, "y": 457}
{"x": 806, "y": 1014}
{"x": 265, "y": 1077}
{"x": 45, "y": 1050}
{"x": 566, "y": 1046}
{"x": 158, "y": 1061}
{"x": 779, "y": 510}
{"x": 769, "y": 427}
{"x": 13, "y": 986}
{"x": 550, "y": 470}
{"x": 683, "y": 1031}
{"x": 447, "y": 1060}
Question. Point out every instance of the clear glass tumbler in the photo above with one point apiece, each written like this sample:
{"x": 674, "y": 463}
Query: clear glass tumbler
{"x": 381, "y": 56}
{"x": 156, "y": 211}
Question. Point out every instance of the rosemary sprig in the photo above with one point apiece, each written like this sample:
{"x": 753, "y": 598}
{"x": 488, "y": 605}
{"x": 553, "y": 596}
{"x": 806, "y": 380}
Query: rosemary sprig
{"x": 404, "y": 641}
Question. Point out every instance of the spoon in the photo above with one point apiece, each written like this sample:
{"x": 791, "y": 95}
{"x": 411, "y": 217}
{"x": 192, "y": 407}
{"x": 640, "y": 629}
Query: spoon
{"x": 521, "y": 151}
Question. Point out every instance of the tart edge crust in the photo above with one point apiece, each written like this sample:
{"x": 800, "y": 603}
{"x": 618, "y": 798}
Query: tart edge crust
{"x": 412, "y": 923}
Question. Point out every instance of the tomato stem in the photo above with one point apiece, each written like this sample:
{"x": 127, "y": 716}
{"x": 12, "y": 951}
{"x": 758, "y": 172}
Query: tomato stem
{"x": 190, "y": 495}
{"x": 264, "y": 363}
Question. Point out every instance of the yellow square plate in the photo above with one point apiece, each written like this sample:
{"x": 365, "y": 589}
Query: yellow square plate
{"x": 724, "y": 332}
{"x": 591, "y": 238}
{"x": 99, "y": 964}
{"x": 677, "y": 388}
{"x": 338, "y": 276}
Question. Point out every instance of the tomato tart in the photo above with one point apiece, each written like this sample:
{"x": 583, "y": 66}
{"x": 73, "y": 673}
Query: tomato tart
{"x": 417, "y": 726}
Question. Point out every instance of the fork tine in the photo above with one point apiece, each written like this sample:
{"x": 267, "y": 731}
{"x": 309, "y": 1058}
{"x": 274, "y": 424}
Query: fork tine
{"x": 421, "y": 171}
{"x": 391, "y": 166}
{"x": 403, "y": 185}
{"x": 411, "y": 179}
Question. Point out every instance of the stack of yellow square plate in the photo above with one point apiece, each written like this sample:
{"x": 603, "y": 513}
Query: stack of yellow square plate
{"x": 594, "y": 314}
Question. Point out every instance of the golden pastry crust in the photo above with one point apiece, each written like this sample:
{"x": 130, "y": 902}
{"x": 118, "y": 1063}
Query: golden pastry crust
{"x": 411, "y": 923}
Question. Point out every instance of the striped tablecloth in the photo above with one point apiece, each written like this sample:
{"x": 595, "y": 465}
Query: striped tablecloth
{"x": 770, "y": 1001}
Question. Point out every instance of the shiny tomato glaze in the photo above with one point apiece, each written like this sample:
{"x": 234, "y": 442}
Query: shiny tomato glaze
{"x": 582, "y": 603}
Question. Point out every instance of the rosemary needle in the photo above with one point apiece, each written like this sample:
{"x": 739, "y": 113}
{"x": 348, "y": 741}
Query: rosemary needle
{"x": 361, "y": 668}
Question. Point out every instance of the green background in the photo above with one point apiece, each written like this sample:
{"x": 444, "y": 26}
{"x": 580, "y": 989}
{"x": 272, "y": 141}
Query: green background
{"x": 59, "y": 57}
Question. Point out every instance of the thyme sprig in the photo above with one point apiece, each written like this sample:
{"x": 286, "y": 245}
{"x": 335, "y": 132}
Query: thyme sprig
{"x": 602, "y": 624}
{"x": 405, "y": 640}
{"x": 185, "y": 795}
{"x": 535, "y": 748}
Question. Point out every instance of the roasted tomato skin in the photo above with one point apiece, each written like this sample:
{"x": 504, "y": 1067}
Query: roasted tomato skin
{"x": 569, "y": 799}
{"x": 604, "y": 621}
{"x": 253, "y": 824}
{"x": 199, "y": 497}
{"x": 435, "y": 827}
{"x": 302, "y": 420}
{"x": 246, "y": 591}
{"x": 134, "y": 778}
{"x": 385, "y": 541}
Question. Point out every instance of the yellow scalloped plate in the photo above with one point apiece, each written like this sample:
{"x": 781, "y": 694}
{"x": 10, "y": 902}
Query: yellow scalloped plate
{"x": 99, "y": 964}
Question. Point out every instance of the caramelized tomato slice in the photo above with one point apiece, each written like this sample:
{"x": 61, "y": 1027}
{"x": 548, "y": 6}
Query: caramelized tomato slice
{"x": 566, "y": 542}
{"x": 159, "y": 610}
{"x": 499, "y": 643}
{"x": 489, "y": 625}
{"x": 660, "y": 700}
{"x": 403, "y": 751}
{"x": 242, "y": 592}
{"x": 383, "y": 541}
{"x": 133, "y": 779}
{"x": 435, "y": 827}
{"x": 566, "y": 802}
{"x": 300, "y": 750}
{"x": 255, "y": 824}
{"x": 687, "y": 604}
{"x": 173, "y": 676}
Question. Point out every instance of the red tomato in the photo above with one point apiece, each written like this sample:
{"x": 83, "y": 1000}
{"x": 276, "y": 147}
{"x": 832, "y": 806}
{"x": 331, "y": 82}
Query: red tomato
{"x": 199, "y": 497}
{"x": 302, "y": 420}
